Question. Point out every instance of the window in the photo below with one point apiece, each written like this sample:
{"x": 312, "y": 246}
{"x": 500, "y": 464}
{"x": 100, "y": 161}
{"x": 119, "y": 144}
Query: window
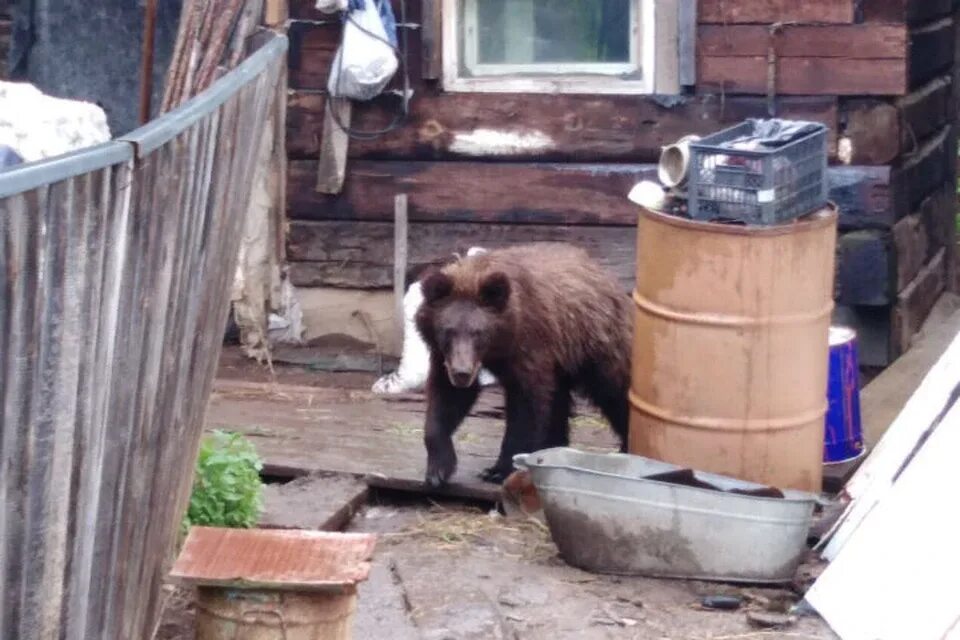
{"x": 551, "y": 46}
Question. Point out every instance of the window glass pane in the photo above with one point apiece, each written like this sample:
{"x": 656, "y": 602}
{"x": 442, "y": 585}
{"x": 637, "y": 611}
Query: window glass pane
{"x": 552, "y": 31}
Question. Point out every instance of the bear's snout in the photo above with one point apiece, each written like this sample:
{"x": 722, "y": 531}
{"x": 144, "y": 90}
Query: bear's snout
{"x": 462, "y": 364}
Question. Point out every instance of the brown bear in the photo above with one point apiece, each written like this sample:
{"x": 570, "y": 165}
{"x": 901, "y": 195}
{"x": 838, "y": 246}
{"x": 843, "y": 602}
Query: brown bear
{"x": 545, "y": 320}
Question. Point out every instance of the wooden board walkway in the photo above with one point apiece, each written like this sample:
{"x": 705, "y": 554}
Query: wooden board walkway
{"x": 305, "y": 430}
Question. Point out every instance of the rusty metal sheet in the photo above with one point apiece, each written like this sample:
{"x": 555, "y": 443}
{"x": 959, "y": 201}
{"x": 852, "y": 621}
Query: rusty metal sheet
{"x": 282, "y": 559}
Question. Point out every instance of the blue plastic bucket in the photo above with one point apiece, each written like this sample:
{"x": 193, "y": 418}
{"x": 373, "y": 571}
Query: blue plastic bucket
{"x": 843, "y": 437}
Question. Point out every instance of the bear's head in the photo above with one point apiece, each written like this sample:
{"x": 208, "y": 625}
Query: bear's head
{"x": 465, "y": 323}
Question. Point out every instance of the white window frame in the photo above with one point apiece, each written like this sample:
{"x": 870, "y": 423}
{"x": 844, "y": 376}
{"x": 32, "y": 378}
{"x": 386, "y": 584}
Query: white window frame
{"x": 601, "y": 78}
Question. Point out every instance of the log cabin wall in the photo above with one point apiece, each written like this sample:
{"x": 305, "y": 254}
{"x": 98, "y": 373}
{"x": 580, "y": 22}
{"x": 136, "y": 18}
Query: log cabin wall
{"x": 495, "y": 169}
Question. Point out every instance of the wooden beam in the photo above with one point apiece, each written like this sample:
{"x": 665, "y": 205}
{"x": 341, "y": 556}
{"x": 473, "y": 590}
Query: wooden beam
{"x": 400, "y": 256}
{"x": 931, "y": 51}
{"x": 924, "y": 112}
{"x": 921, "y": 172}
{"x": 805, "y": 76}
{"x": 687, "y": 42}
{"x": 275, "y": 13}
{"x": 910, "y": 242}
{"x": 473, "y": 192}
{"x": 430, "y": 36}
{"x": 332, "y": 167}
{"x": 917, "y": 299}
{"x": 360, "y": 255}
{"x": 855, "y": 41}
{"x": 544, "y": 193}
{"x": 770, "y": 11}
{"x": 905, "y": 11}
{"x": 563, "y": 128}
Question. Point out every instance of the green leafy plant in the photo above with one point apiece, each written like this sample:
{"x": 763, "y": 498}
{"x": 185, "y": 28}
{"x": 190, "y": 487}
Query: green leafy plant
{"x": 227, "y": 489}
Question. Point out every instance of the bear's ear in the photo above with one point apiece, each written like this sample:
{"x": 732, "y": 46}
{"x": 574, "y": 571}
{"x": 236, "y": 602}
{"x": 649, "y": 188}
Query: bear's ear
{"x": 436, "y": 286}
{"x": 495, "y": 291}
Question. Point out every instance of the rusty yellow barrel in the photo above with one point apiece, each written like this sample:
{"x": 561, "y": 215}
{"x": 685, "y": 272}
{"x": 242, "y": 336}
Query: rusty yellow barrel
{"x": 730, "y": 349}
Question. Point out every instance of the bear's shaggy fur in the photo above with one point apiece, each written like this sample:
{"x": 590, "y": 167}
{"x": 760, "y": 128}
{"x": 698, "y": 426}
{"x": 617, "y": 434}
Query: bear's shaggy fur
{"x": 545, "y": 319}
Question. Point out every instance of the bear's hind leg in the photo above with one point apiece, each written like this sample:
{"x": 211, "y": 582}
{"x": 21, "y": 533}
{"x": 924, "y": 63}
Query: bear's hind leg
{"x": 609, "y": 394}
{"x": 558, "y": 431}
{"x": 529, "y": 423}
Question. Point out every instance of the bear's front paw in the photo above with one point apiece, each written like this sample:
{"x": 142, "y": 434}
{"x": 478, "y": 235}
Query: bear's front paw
{"x": 496, "y": 474}
{"x": 439, "y": 470}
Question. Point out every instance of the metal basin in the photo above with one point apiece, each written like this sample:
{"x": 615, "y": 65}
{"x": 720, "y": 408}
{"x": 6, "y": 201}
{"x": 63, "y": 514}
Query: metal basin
{"x": 607, "y": 516}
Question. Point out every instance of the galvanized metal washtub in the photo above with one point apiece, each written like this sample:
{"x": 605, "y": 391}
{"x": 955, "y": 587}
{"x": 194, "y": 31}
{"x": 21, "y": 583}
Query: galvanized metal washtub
{"x": 729, "y": 355}
{"x": 606, "y": 516}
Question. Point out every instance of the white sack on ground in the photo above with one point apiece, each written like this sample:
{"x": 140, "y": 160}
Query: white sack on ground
{"x": 39, "y": 126}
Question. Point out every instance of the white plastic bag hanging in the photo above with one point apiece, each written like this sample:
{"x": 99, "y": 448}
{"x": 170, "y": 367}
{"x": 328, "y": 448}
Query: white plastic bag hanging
{"x": 365, "y": 61}
{"x": 331, "y": 6}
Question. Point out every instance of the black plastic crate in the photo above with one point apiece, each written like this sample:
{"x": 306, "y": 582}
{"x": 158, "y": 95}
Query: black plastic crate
{"x": 764, "y": 187}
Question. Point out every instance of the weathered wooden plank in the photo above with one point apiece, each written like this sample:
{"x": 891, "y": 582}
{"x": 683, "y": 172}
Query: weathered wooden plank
{"x": 6, "y": 33}
{"x": 770, "y": 11}
{"x": 319, "y": 502}
{"x": 938, "y": 214}
{"x": 905, "y": 11}
{"x": 335, "y": 145}
{"x": 471, "y": 192}
{"x": 541, "y": 193}
{"x": 562, "y": 128}
{"x": 924, "y": 112}
{"x": 687, "y": 42}
{"x": 854, "y": 41}
{"x": 931, "y": 51}
{"x": 921, "y": 172}
{"x": 360, "y": 255}
{"x": 431, "y": 45}
{"x": 917, "y": 299}
{"x": 911, "y": 244}
{"x": 871, "y": 131}
{"x": 315, "y": 430}
{"x": 866, "y": 269}
{"x": 804, "y": 76}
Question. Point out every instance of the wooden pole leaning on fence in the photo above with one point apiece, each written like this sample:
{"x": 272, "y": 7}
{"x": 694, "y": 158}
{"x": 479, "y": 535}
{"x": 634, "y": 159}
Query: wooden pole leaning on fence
{"x": 400, "y": 237}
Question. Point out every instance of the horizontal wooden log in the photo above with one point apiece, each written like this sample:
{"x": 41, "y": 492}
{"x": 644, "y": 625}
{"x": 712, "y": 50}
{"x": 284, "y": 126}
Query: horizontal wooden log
{"x": 560, "y": 128}
{"x": 855, "y": 41}
{"x": 863, "y": 195}
{"x": 871, "y": 132}
{"x": 905, "y": 11}
{"x": 568, "y": 194}
{"x": 931, "y": 51}
{"x": 472, "y": 192}
{"x": 805, "y": 76}
{"x": 770, "y": 11}
{"x": 360, "y": 255}
{"x": 924, "y": 112}
{"x": 866, "y": 269}
{"x": 917, "y": 299}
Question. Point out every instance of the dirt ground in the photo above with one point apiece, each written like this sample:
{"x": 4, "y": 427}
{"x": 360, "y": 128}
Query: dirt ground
{"x": 461, "y": 572}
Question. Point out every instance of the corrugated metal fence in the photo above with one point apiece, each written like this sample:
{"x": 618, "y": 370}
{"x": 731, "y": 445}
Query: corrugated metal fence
{"x": 115, "y": 264}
